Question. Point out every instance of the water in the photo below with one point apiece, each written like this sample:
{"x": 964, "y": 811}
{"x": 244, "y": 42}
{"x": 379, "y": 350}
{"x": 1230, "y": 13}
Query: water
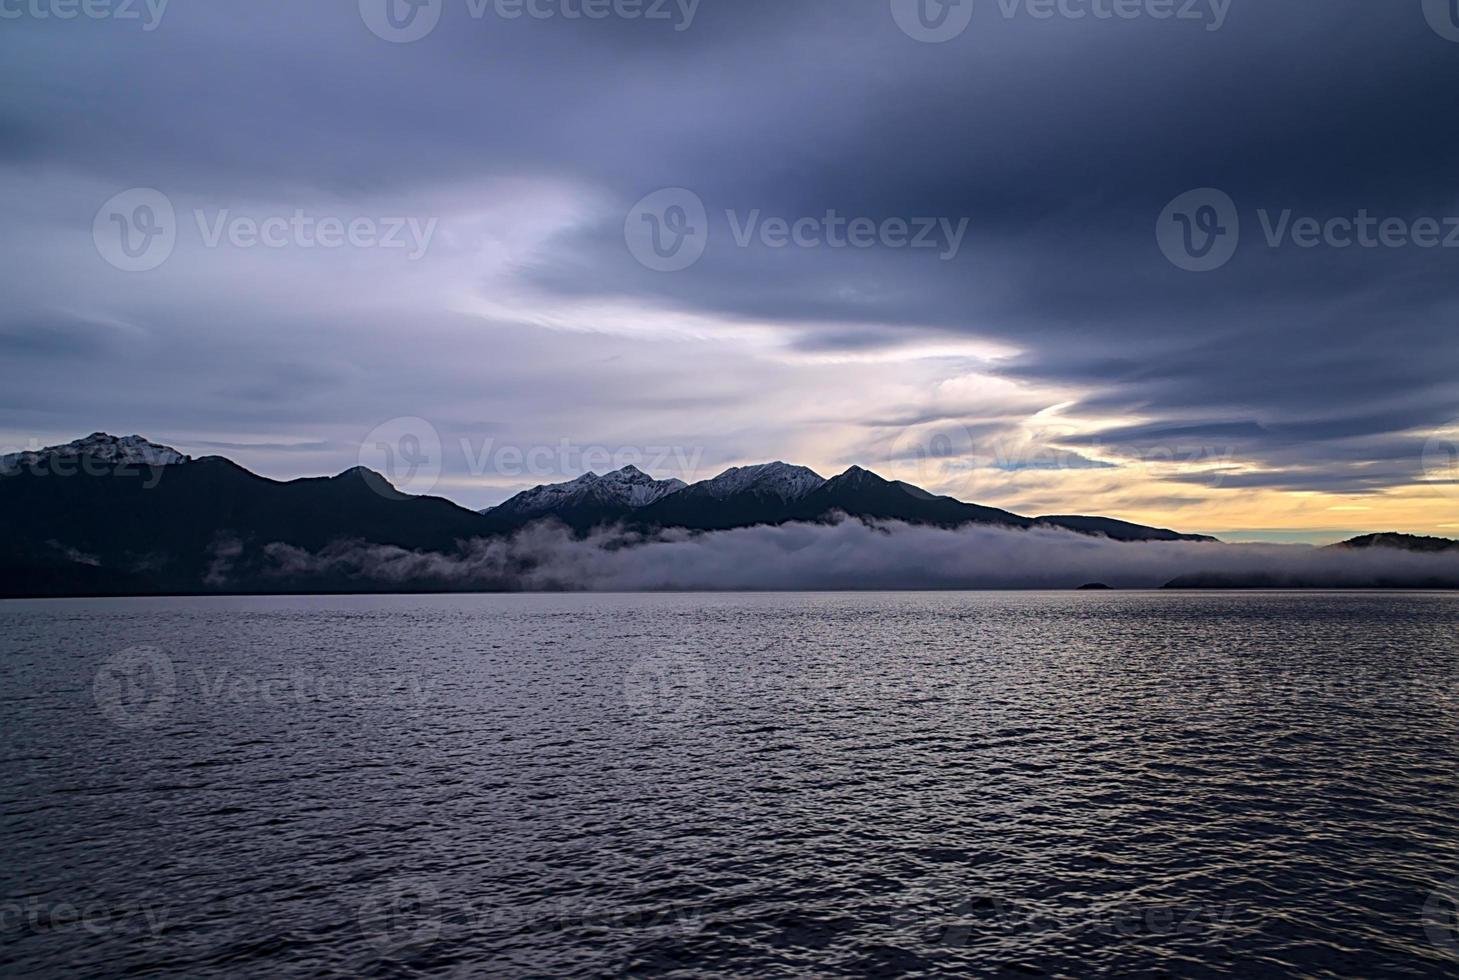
{"x": 764, "y": 785}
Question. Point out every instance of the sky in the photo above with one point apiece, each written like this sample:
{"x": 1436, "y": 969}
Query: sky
{"x": 1192, "y": 263}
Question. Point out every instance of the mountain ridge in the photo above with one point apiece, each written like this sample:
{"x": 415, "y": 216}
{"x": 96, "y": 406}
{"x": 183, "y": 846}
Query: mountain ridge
{"x": 207, "y": 524}
{"x": 99, "y": 446}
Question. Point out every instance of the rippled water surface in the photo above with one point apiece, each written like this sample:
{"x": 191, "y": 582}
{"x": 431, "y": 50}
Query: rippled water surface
{"x": 762, "y": 785}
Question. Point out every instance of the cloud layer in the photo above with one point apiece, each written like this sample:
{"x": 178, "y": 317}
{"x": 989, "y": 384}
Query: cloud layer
{"x": 851, "y": 555}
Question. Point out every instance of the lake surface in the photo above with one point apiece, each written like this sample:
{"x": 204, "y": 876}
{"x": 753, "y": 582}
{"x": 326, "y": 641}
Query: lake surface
{"x": 763, "y": 785}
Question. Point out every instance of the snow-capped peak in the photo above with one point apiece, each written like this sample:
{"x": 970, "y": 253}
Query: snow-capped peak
{"x": 636, "y": 488}
{"x": 628, "y": 487}
{"x": 119, "y": 450}
{"x": 779, "y": 479}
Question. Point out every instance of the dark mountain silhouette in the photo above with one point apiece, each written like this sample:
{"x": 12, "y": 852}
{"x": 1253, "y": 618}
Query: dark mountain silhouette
{"x": 125, "y": 516}
{"x": 740, "y": 497}
{"x": 585, "y": 503}
{"x": 1406, "y": 542}
{"x": 778, "y": 493}
{"x": 1119, "y": 530}
{"x": 129, "y": 529}
{"x": 864, "y": 494}
{"x": 861, "y": 493}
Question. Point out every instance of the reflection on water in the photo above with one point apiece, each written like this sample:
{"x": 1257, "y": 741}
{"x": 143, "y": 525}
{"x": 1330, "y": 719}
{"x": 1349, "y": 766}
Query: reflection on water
{"x": 786, "y": 785}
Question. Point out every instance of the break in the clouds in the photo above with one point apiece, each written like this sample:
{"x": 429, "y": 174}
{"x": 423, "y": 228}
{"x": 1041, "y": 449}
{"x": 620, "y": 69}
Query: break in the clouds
{"x": 1191, "y": 263}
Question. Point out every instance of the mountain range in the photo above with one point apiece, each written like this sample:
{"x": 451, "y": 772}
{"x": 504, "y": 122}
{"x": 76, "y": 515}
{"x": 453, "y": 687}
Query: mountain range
{"x": 772, "y": 493}
{"x": 108, "y": 515}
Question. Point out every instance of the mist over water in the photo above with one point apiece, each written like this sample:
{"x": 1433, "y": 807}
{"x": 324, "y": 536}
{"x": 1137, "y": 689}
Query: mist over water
{"x": 854, "y": 555}
{"x": 919, "y": 784}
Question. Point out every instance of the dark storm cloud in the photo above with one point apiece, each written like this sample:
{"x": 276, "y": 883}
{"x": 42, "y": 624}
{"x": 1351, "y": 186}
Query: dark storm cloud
{"x": 49, "y": 336}
{"x": 1059, "y": 141}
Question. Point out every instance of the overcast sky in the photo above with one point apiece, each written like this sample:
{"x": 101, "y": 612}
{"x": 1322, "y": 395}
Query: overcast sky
{"x": 293, "y": 233}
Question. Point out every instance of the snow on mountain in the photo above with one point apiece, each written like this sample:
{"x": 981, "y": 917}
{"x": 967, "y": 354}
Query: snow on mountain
{"x": 777, "y": 479}
{"x": 636, "y": 488}
{"x": 628, "y": 487}
{"x": 123, "y": 450}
